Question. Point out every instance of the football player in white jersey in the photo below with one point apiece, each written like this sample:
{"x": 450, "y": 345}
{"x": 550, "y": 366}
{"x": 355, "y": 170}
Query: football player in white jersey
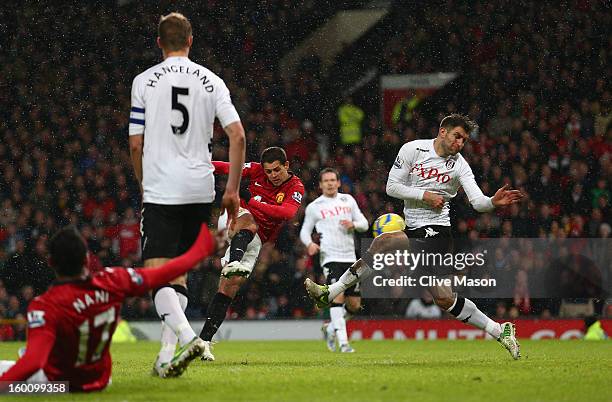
{"x": 335, "y": 216}
{"x": 174, "y": 106}
{"x": 426, "y": 175}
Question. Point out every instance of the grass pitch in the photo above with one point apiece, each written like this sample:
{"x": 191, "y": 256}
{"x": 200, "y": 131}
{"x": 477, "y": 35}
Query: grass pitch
{"x": 378, "y": 371}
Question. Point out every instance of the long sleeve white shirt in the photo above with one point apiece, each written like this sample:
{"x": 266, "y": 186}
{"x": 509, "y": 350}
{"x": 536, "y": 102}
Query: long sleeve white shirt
{"x": 418, "y": 168}
{"x": 324, "y": 214}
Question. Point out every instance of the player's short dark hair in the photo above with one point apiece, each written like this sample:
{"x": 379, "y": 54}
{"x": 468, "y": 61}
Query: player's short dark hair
{"x": 458, "y": 120}
{"x": 67, "y": 252}
{"x": 328, "y": 170}
{"x": 174, "y": 31}
{"x": 269, "y": 155}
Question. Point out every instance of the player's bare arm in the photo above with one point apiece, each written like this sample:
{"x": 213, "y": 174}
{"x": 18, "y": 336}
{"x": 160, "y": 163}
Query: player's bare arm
{"x": 310, "y": 219}
{"x": 136, "y": 145}
{"x": 231, "y": 201}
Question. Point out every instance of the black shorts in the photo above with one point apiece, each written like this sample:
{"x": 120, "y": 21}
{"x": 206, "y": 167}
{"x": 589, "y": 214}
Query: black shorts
{"x": 334, "y": 272}
{"x": 169, "y": 230}
{"x": 432, "y": 239}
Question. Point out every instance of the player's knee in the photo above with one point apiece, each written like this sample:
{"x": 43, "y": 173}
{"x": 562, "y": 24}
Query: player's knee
{"x": 388, "y": 242}
{"x": 252, "y": 228}
{"x": 352, "y": 305}
{"x": 377, "y": 244}
{"x": 444, "y": 302}
{"x": 246, "y": 222}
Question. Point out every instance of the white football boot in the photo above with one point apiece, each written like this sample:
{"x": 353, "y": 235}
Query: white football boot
{"x": 235, "y": 268}
{"x": 207, "y": 355}
{"x": 508, "y": 340}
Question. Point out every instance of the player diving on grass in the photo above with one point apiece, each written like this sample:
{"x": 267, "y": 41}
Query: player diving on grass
{"x": 71, "y": 325}
{"x": 273, "y": 197}
{"x": 427, "y": 174}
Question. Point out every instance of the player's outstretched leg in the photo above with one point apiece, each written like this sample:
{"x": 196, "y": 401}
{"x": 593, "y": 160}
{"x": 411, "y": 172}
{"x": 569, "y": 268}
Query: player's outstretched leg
{"x": 508, "y": 340}
{"x": 228, "y": 287}
{"x": 466, "y": 311}
{"x": 323, "y": 295}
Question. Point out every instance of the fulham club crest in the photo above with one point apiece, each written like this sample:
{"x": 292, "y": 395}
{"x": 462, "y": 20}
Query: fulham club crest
{"x": 450, "y": 164}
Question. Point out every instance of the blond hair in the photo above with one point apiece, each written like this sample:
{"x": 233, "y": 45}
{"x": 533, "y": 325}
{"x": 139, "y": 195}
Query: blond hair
{"x": 174, "y": 31}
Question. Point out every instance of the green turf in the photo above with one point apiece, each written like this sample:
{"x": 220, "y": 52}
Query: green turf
{"x": 380, "y": 370}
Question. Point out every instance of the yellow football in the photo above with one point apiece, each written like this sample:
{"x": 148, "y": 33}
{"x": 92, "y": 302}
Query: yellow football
{"x": 388, "y": 223}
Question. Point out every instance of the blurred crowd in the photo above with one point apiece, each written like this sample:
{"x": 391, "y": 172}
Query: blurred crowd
{"x": 537, "y": 82}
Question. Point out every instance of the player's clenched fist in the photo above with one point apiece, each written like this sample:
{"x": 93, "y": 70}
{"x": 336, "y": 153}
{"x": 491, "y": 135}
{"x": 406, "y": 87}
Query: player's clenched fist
{"x": 434, "y": 200}
{"x": 231, "y": 203}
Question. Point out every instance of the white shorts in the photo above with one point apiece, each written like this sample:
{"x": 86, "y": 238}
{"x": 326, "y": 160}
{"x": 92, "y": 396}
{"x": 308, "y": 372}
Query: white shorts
{"x": 254, "y": 247}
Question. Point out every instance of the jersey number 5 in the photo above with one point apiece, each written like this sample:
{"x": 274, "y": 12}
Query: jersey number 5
{"x": 176, "y": 105}
{"x": 98, "y": 328}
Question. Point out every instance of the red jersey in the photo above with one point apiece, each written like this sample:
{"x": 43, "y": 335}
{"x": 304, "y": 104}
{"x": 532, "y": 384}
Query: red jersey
{"x": 79, "y": 318}
{"x": 270, "y": 206}
{"x": 71, "y": 325}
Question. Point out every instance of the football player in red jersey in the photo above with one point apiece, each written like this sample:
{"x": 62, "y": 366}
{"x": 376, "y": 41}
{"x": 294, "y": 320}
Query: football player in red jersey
{"x": 71, "y": 324}
{"x": 273, "y": 197}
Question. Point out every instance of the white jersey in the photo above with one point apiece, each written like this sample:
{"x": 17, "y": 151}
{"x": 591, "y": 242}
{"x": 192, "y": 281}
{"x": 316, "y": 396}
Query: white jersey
{"x": 418, "y": 168}
{"x": 324, "y": 214}
{"x": 174, "y": 104}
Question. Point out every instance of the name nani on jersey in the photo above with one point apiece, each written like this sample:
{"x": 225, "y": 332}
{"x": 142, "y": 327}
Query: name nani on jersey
{"x": 179, "y": 69}
{"x": 99, "y": 296}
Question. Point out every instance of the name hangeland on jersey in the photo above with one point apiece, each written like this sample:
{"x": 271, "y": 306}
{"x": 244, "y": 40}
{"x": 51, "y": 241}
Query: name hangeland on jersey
{"x": 174, "y": 104}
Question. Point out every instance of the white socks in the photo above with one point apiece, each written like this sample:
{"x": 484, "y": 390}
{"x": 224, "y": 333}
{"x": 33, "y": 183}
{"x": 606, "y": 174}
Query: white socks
{"x": 168, "y": 344}
{"x": 183, "y": 300}
{"x": 169, "y": 308}
{"x": 465, "y": 310}
{"x": 348, "y": 279}
{"x": 339, "y": 324}
{"x": 168, "y": 337}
